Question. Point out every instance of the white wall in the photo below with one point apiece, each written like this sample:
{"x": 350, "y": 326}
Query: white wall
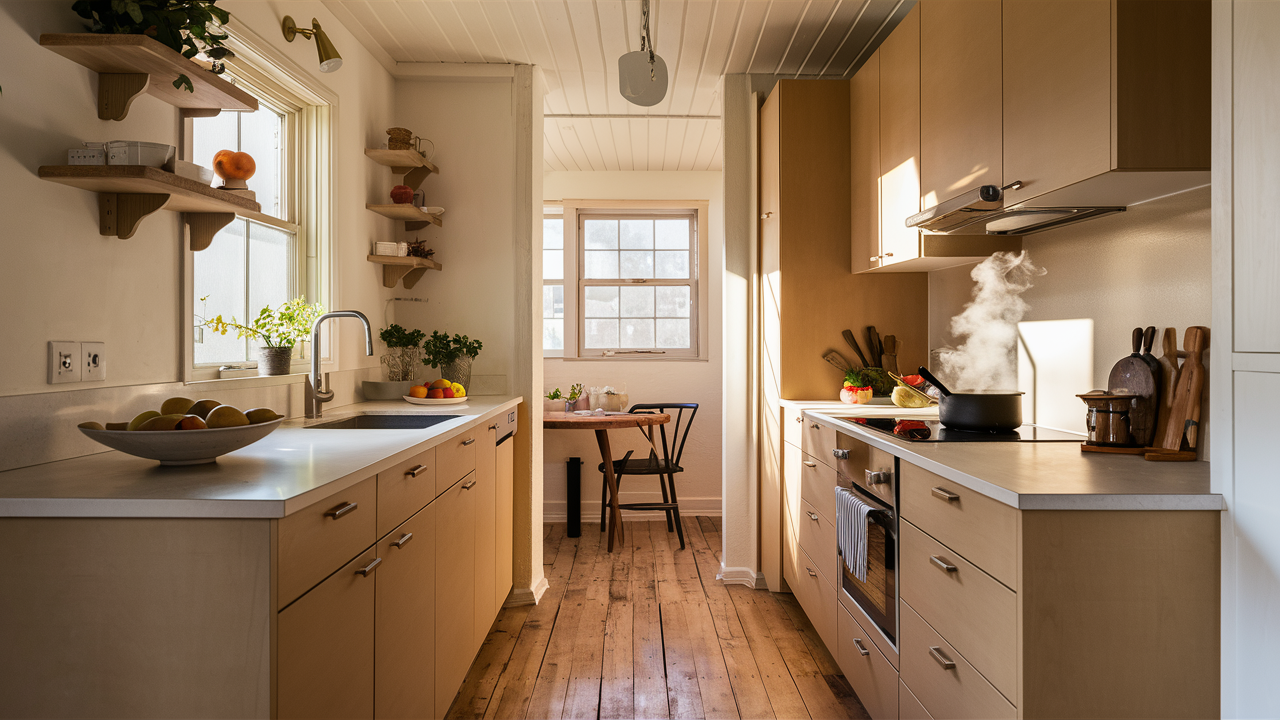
{"x": 646, "y": 381}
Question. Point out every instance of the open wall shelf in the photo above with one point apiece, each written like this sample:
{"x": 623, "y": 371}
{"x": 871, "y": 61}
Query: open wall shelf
{"x": 128, "y": 65}
{"x": 414, "y": 217}
{"x": 408, "y": 163}
{"x": 410, "y": 269}
{"x": 128, "y": 193}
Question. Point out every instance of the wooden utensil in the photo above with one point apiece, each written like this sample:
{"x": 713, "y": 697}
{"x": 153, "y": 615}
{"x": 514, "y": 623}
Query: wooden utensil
{"x": 837, "y": 361}
{"x": 1133, "y": 376}
{"x": 889, "y": 360}
{"x": 853, "y": 343}
{"x": 1187, "y": 393}
{"x": 1168, "y": 381}
{"x": 873, "y": 343}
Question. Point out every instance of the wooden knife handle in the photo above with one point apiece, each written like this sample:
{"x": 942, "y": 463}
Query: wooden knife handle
{"x": 1137, "y": 341}
{"x": 1148, "y": 338}
{"x": 1170, "y": 341}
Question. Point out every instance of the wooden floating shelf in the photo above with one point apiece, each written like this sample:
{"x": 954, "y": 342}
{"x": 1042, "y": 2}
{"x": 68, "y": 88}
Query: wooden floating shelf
{"x": 408, "y": 163}
{"x": 128, "y": 193}
{"x": 410, "y": 269}
{"x": 414, "y": 218}
{"x": 129, "y": 65}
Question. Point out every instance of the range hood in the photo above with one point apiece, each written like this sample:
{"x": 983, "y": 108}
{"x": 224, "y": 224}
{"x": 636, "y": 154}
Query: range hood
{"x": 982, "y": 211}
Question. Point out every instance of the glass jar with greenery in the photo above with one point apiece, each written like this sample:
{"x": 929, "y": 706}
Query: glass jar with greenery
{"x": 452, "y": 355}
{"x": 278, "y": 331}
{"x": 404, "y": 353}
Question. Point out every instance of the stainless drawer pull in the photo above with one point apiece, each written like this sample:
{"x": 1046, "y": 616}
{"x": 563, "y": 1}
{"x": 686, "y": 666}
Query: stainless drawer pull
{"x": 813, "y": 426}
{"x": 946, "y": 664}
{"x": 862, "y": 650}
{"x": 809, "y": 463}
{"x": 812, "y": 572}
{"x": 341, "y": 510}
{"x": 404, "y": 540}
{"x": 879, "y": 477}
{"x": 799, "y": 419}
{"x": 468, "y": 486}
{"x": 415, "y": 471}
{"x": 369, "y": 568}
{"x": 468, "y": 441}
{"x": 493, "y": 426}
{"x": 944, "y": 494}
{"x": 942, "y": 563}
{"x": 812, "y": 515}
{"x": 840, "y": 454}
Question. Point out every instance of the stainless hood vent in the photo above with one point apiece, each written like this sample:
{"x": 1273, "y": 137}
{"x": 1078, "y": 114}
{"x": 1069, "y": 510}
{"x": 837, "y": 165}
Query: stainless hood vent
{"x": 982, "y": 211}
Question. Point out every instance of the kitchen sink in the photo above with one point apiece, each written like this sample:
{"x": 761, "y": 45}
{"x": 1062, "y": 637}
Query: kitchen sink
{"x": 384, "y": 422}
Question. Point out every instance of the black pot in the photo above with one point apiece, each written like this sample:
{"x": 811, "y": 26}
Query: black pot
{"x": 977, "y": 412}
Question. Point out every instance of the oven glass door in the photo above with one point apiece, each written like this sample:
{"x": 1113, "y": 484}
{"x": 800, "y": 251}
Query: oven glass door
{"x": 878, "y": 596}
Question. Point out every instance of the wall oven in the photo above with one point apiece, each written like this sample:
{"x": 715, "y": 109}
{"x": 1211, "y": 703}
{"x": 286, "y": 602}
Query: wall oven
{"x": 871, "y": 475}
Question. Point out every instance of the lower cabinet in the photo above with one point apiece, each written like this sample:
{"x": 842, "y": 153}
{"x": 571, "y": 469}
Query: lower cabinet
{"x": 506, "y": 462}
{"x": 941, "y": 678}
{"x": 872, "y": 677}
{"x": 909, "y": 708}
{"x": 404, "y": 623}
{"x": 486, "y": 535}
{"x": 455, "y": 642}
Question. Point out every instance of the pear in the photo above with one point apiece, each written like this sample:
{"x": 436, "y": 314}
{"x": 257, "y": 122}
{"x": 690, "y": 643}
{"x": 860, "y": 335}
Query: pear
{"x": 91, "y": 426}
{"x": 261, "y": 415}
{"x": 176, "y": 406}
{"x": 202, "y": 408}
{"x": 225, "y": 416}
{"x": 191, "y": 422}
{"x": 142, "y": 417}
{"x": 161, "y": 422}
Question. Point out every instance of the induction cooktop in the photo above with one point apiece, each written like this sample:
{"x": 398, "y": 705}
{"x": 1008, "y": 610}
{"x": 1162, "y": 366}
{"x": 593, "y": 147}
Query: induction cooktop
{"x": 916, "y": 430}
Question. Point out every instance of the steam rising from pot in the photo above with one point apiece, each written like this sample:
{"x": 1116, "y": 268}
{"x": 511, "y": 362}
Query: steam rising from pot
{"x": 987, "y": 359}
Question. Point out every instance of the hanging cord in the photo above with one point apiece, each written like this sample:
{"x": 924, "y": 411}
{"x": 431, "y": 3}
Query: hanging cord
{"x": 646, "y": 37}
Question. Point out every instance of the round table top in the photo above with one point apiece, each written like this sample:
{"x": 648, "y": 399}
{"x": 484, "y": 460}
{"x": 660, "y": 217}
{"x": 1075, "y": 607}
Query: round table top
{"x": 570, "y": 421}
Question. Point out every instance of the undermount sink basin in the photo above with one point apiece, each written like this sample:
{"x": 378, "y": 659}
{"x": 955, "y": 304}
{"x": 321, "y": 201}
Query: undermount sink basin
{"x": 384, "y": 422}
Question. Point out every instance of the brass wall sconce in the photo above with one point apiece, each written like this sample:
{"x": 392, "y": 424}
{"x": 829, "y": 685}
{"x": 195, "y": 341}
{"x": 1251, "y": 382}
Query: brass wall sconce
{"x": 330, "y": 60}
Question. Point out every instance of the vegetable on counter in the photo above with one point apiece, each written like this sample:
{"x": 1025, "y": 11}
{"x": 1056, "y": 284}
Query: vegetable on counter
{"x": 875, "y": 378}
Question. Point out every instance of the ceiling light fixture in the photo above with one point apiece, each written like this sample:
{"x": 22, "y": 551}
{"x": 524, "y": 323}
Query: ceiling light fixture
{"x": 642, "y": 75}
{"x": 330, "y": 60}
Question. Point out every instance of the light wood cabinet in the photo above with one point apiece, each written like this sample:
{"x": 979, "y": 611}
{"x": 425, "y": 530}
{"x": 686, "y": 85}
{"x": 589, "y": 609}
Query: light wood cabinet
{"x": 316, "y": 539}
{"x": 506, "y": 517}
{"x": 874, "y": 680}
{"x": 456, "y": 590}
{"x": 486, "y": 533}
{"x": 405, "y": 489}
{"x": 944, "y": 682}
{"x": 404, "y": 622}
{"x": 864, "y": 163}
{"x": 899, "y": 142}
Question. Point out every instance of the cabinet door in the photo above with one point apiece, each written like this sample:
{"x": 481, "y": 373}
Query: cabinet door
{"x": 506, "y": 517}
{"x": 486, "y": 533}
{"x": 1057, "y": 93}
{"x": 324, "y": 647}
{"x": 455, "y": 589}
{"x": 864, "y": 165}
{"x": 404, "y": 624}
{"x": 960, "y": 96}
{"x": 900, "y": 141}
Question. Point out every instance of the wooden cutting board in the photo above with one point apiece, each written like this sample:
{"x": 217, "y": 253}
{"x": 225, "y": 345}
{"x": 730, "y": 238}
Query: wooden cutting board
{"x": 1133, "y": 376}
{"x": 1184, "y": 417}
{"x": 1168, "y": 381}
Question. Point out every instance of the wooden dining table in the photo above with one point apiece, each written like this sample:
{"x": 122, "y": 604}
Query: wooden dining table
{"x": 602, "y": 424}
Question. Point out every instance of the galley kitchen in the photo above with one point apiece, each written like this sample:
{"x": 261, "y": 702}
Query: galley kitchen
{"x": 887, "y": 359}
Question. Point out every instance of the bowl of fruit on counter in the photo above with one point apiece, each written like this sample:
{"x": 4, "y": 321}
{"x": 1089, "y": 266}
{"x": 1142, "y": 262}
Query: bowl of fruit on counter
{"x": 186, "y": 432}
{"x": 440, "y": 392}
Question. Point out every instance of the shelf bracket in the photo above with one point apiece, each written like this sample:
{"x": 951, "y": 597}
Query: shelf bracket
{"x": 413, "y": 177}
{"x": 117, "y": 91}
{"x": 120, "y": 213}
{"x": 413, "y": 276}
{"x": 199, "y": 112}
{"x": 201, "y": 227}
{"x": 391, "y": 275}
{"x": 420, "y": 224}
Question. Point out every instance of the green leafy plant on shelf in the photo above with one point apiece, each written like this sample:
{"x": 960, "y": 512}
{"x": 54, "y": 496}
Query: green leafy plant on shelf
{"x": 190, "y": 27}
{"x": 555, "y": 395}
{"x": 440, "y": 349}
{"x": 284, "y": 327}
{"x": 404, "y": 352}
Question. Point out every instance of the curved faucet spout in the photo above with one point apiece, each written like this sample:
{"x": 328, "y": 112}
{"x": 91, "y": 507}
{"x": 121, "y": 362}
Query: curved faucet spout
{"x": 316, "y": 395}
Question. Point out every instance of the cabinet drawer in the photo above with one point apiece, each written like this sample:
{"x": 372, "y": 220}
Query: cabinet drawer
{"x": 909, "y": 708}
{"x": 818, "y": 538}
{"x": 793, "y": 426}
{"x": 456, "y": 457}
{"x": 818, "y": 487}
{"x": 818, "y": 440}
{"x": 976, "y": 614}
{"x": 860, "y": 458}
{"x": 982, "y": 530}
{"x": 817, "y": 597}
{"x": 319, "y": 539}
{"x": 957, "y": 691}
{"x": 873, "y": 679}
{"x": 405, "y": 489}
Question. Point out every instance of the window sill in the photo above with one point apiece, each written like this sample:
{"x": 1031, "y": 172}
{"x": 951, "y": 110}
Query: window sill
{"x": 629, "y": 358}
{"x": 296, "y": 377}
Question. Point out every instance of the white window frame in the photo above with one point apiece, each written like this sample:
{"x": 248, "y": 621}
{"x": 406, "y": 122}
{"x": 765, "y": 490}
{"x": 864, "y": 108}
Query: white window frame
{"x": 574, "y": 211}
{"x": 551, "y": 210}
{"x": 308, "y": 169}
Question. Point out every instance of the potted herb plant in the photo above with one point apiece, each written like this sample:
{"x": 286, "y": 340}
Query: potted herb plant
{"x": 554, "y": 402}
{"x": 399, "y": 364}
{"x": 577, "y": 399}
{"x": 191, "y": 27}
{"x": 278, "y": 330}
{"x": 452, "y": 355}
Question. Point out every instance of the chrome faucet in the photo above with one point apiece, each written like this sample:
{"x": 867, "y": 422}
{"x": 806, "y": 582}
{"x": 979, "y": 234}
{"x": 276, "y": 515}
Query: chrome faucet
{"x": 316, "y": 395}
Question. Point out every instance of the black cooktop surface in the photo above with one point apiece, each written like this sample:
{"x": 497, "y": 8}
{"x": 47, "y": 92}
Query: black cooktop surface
{"x": 915, "y": 430}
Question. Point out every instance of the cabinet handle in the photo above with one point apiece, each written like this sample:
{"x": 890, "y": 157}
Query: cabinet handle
{"x": 493, "y": 426}
{"x": 878, "y": 477}
{"x": 942, "y": 563}
{"x": 369, "y": 568}
{"x": 840, "y": 454}
{"x": 404, "y": 540}
{"x": 812, "y": 515}
{"x": 861, "y": 649}
{"x": 799, "y": 419}
{"x": 341, "y": 510}
{"x": 813, "y": 426}
{"x": 943, "y": 660}
{"x": 766, "y": 215}
{"x": 874, "y": 258}
{"x": 468, "y": 486}
{"x": 415, "y": 471}
{"x": 944, "y": 494}
{"x": 468, "y": 441}
{"x": 809, "y": 463}
{"x": 812, "y": 572}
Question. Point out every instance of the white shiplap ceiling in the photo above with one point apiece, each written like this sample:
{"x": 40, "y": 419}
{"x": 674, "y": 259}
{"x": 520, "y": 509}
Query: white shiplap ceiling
{"x": 577, "y": 44}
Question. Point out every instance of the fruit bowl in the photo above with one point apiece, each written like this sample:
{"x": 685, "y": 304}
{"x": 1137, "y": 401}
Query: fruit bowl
{"x": 183, "y": 447}
{"x": 435, "y": 401}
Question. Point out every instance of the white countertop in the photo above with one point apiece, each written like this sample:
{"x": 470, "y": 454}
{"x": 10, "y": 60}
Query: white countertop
{"x": 284, "y": 472}
{"x": 1039, "y": 475}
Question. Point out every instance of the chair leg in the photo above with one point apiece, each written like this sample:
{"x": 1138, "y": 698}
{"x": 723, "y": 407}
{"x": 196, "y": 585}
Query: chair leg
{"x": 676, "y": 510}
{"x": 662, "y": 484}
{"x": 604, "y": 501}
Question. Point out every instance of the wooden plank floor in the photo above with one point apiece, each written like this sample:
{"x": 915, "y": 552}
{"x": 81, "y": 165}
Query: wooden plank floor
{"x": 648, "y": 632}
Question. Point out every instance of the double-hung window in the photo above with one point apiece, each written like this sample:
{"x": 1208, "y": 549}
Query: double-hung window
{"x": 553, "y": 281}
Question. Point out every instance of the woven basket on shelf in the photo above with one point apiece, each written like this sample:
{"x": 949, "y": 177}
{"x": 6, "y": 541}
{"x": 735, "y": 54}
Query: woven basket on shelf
{"x": 399, "y": 138}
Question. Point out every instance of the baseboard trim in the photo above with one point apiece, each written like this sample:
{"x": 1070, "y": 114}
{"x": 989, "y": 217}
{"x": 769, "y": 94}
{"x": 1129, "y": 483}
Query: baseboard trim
{"x": 527, "y": 596}
{"x": 741, "y": 576}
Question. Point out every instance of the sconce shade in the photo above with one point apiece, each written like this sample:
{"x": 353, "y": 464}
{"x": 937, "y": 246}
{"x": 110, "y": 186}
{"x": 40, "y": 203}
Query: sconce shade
{"x": 330, "y": 60}
{"x": 639, "y": 82}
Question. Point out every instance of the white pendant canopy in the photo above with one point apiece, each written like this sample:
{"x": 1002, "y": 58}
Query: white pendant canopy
{"x": 642, "y": 75}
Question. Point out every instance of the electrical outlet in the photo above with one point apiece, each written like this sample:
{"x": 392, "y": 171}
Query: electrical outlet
{"x": 64, "y": 362}
{"x": 94, "y": 357}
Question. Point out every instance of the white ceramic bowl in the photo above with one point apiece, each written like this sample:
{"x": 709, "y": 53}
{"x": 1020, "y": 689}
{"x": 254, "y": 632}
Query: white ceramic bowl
{"x": 183, "y": 447}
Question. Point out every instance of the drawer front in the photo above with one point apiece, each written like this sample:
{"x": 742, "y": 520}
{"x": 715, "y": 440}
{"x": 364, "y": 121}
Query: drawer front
{"x": 860, "y": 459}
{"x": 319, "y": 539}
{"x": 456, "y": 457}
{"x": 817, "y": 597}
{"x": 792, "y": 426}
{"x": 976, "y": 614}
{"x": 873, "y": 679}
{"x": 405, "y": 489}
{"x": 982, "y": 530}
{"x": 818, "y": 486}
{"x": 818, "y": 440}
{"x": 909, "y": 708}
{"x": 818, "y": 538}
{"x": 955, "y": 692}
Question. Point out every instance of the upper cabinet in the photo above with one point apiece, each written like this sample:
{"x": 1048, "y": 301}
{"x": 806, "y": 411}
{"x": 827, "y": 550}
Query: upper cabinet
{"x": 864, "y": 165}
{"x": 900, "y": 140}
{"x": 1106, "y": 102}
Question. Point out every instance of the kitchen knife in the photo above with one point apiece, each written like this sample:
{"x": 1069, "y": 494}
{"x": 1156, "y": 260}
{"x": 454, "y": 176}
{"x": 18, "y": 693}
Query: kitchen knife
{"x": 853, "y": 343}
{"x": 889, "y": 359}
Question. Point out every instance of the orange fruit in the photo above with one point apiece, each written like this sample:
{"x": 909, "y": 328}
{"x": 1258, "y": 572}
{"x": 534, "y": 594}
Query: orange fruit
{"x": 435, "y": 393}
{"x": 440, "y": 384}
{"x": 231, "y": 165}
{"x": 417, "y": 391}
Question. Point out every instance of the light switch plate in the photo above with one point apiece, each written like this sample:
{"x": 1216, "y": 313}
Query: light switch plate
{"x": 64, "y": 362}
{"x": 94, "y": 357}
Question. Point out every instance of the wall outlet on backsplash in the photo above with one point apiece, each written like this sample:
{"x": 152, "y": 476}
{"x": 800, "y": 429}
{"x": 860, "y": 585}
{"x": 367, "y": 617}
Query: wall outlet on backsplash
{"x": 93, "y": 355}
{"x": 64, "y": 362}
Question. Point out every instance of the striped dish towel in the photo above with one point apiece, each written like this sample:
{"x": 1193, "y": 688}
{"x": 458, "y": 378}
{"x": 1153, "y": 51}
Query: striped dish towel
{"x": 851, "y": 531}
